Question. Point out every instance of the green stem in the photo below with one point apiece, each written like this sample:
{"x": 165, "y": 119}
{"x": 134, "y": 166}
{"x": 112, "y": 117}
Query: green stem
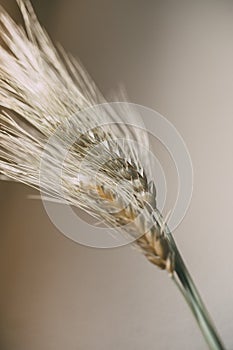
{"x": 187, "y": 287}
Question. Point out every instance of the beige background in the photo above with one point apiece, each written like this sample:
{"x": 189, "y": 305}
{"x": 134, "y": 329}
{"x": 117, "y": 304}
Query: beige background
{"x": 173, "y": 56}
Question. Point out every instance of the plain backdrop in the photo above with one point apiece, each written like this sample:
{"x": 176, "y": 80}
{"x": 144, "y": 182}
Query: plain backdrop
{"x": 177, "y": 58}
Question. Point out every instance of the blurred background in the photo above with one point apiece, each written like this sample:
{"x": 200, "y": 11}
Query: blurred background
{"x": 177, "y": 58}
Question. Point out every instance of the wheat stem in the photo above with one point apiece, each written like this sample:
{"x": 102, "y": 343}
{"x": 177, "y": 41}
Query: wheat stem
{"x": 185, "y": 284}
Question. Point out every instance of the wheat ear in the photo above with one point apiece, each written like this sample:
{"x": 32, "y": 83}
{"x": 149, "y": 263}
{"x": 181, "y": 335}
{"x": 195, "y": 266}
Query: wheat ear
{"x": 39, "y": 91}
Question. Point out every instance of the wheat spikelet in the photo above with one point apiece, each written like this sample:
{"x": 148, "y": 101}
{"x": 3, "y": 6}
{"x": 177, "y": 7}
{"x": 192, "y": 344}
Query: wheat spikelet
{"x": 39, "y": 92}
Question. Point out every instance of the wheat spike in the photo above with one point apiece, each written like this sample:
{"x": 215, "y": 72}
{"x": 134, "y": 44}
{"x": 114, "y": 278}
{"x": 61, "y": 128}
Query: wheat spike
{"x": 39, "y": 92}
